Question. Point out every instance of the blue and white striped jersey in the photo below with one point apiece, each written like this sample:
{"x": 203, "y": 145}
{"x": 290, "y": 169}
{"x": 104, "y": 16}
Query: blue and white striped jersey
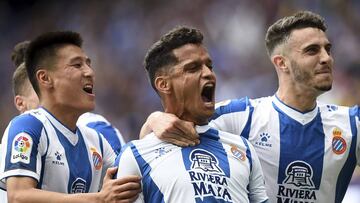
{"x": 103, "y": 126}
{"x": 222, "y": 168}
{"x": 37, "y": 145}
{"x": 306, "y": 157}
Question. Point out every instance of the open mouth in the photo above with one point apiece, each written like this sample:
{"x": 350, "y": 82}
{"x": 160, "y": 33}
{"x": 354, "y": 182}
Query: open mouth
{"x": 88, "y": 89}
{"x": 207, "y": 93}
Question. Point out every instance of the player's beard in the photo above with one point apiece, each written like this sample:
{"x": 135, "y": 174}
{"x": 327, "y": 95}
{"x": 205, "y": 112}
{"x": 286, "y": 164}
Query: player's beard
{"x": 304, "y": 77}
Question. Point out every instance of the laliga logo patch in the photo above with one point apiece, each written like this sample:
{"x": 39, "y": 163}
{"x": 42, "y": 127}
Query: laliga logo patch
{"x": 237, "y": 153}
{"x": 97, "y": 159}
{"x": 338, "y": 143}
{"x": 21, "y": 148}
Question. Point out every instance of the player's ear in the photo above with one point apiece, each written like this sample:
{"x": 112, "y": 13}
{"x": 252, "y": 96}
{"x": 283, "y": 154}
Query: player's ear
{"x": 44, "y": 78}
{"x": 280, "y": 63}
{"x": 19, "y": 103}
{"x": 162, "y": 84}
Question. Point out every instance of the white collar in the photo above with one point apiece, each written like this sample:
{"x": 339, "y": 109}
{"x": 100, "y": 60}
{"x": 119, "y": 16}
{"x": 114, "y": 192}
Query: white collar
{"x": 300, "y": 117}
{"x": 71, "y": 136}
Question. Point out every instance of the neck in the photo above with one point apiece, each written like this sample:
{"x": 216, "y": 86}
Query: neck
{"x": 67, "y": 117}
{"x": 298, "y": 99}
{"x": 179, "y": 111}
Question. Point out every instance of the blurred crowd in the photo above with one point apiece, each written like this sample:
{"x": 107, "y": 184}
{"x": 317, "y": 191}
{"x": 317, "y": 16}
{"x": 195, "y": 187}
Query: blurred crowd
{"x": 117, "y": 34}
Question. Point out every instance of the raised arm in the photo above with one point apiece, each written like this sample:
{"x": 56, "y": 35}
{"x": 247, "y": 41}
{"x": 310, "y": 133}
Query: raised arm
{"x": 171, "y": 129}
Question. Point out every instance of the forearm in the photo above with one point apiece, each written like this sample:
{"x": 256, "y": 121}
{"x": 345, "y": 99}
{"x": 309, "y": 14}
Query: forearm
{"x": 41, "y": 196}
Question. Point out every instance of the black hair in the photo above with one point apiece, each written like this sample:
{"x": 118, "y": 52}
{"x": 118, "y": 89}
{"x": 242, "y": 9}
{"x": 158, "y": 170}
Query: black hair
{"x": 43, "y": 49}
{"x": 160, "y": 54}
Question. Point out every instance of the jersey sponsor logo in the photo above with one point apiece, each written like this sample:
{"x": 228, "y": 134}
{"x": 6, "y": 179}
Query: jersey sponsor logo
{"x": 204, "y": 160}
{"x": 21, "y": 148}
{"x": 338, "y": 143}
{"x": 264, "y": 140}
{"x": 78, "y": 186}
{"x": 237, "y": 153}
{"x": 96, "y": 158}
{"x": 58, "y": 157}
{"x": 207, "y": 178}
{"x": 298, "y": 185}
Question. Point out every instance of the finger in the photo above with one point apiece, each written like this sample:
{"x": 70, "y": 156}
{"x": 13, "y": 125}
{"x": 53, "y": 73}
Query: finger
{"x": 128, "y": 194}
{"x": 181, "y": 142}
{"x": 187, "y": 129}
{"x": 110, "y": 172}
{"x": 128, "y": 179}
{"x": 127, "y": 186}
{"x": 132, "y": 199}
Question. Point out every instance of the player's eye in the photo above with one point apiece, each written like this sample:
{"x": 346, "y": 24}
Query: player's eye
{"x": 312, "y": 50}
{"x": 76, "y": 65}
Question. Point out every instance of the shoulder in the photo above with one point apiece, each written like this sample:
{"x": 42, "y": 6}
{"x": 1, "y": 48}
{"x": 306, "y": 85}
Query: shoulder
{"x": 333, "y": 109}
{"x": 239, "y": 105}
{"x": 90, "y": 117}
{"x": 233, "y": 139}
{"x": 31, "y": 122}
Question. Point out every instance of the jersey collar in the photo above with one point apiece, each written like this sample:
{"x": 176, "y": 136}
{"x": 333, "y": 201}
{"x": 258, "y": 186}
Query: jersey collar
{"x": 71, "y": 136}
{"x": 301, "y": 117}
{"x": 202, "y": 128}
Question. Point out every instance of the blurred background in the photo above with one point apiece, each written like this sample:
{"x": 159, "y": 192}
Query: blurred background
{"x": 118, "y": 33}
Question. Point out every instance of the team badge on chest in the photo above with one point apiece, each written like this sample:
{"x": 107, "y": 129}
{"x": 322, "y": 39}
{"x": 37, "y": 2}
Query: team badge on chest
{"x": 238, "y": 154}
{"x": 338, "y": 143}
{"x": 96, "y": 158}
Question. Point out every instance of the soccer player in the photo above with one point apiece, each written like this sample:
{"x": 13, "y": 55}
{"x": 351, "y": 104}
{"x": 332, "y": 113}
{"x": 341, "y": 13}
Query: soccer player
{"x": 308, "y": 150}
{"x": 25, "y": 99}
{"x": 223, "y": 167}
{"x": 44, "y": 153}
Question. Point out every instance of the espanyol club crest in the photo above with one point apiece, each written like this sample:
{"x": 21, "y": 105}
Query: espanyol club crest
{"x": 237, "y": 153}
{"x": 338, "y": 143}
{"x": 96, "y": 158}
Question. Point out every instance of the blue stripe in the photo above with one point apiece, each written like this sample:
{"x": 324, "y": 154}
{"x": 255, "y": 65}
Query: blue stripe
{"x": 109, "y": 133}
{"x": 248, "y": 153}
{"x": 101, "y": 145}
{"x": 151, "y": 191}
{"x": 294, "y": 138}
{"x": 246, "y": 131}
{"x": 32, "y": 126}
{"x": 80, "y": 172}
{"x": 350, "y": 164}
{"x": 43, "y": 159}
{"x": 235, "y": 105}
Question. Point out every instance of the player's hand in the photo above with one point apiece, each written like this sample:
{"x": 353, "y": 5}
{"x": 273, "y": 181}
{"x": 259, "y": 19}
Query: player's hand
{"x": 170, "y": 128}
{"x": 121, "y": 190}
